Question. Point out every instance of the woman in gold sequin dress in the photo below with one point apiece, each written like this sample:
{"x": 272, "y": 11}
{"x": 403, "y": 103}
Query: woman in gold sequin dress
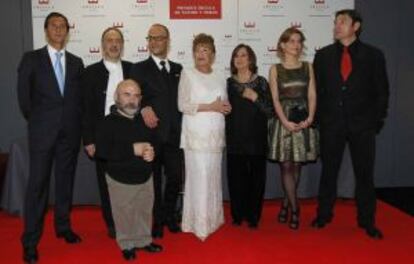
{"x": 292, "y": 139}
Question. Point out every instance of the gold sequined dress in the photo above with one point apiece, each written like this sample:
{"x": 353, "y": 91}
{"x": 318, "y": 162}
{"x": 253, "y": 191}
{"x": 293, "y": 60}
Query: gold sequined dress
{"x": 284, "y": 145}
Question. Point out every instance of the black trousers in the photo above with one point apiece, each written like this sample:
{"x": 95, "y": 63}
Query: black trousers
{"x": 55, "y": 149}
{"x": 104, "y": 195}
{"x": 362, "y": 150}
{"x": 168, "y": 159}
{"x": 246, "y": 176}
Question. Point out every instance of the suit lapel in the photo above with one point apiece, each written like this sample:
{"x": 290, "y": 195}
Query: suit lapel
{"x": 46, "y": 61}
{"x": 161, "y": 85}
{"x": 69, "y": 71}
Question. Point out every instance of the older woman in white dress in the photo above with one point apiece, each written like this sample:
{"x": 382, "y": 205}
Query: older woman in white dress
{"x": 202, "y": 98}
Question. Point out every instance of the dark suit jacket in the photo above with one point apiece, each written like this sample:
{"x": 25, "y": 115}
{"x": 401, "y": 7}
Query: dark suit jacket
{"x": 360, "y": 103}
{"x": 94, "y": 86}
{"x": 161, "y": 96}
{"x": 47, "y": 111}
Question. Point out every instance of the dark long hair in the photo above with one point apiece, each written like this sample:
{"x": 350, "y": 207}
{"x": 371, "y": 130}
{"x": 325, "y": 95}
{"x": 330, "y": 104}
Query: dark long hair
{"x": 250, "y": 54}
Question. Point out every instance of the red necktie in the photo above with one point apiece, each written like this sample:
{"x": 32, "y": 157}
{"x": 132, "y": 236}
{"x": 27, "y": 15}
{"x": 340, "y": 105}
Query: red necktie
{"x": 346, "y": 64}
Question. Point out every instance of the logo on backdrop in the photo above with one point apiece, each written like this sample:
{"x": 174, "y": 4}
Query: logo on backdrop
{"x": 296, "y": 24}
{"x": 273, "y": 8}
{"x": 249, "y": 30}
{"x": 320, "y": 7}
{"x": 142, "y": 8}
{"x": 195, "y": 9}
{"x": 227, "y": 40}
{"x": 93, "y": 8}
{"x": 42, "y": 6}
{"x": 74, "y": 33}
{"x": 141, "y": 52}
{"x": 269, "y": 54}
{"x": 92, "y": 55}
{"x": 124, "y": 29}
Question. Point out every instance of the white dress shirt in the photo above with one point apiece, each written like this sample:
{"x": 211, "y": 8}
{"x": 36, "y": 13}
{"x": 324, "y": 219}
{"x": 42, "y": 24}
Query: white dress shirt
{"x": 116, "y": 75}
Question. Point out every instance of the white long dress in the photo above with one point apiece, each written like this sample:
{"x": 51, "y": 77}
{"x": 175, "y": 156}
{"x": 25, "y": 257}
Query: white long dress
{"x": 202, "y": 138}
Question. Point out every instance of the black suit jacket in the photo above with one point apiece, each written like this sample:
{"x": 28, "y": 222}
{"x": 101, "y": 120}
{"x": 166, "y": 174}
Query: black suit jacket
{"x": 359, "y": 103}
{"x": 94, "y": 85}
{"x": 161, "y": 96}
{"x": 46, "y": 110}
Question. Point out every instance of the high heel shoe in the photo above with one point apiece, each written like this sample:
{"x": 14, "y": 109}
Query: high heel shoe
{"x": 294, "y": 219}
{"x": 283, "y": 214}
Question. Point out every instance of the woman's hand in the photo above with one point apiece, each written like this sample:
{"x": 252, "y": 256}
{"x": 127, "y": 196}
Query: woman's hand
{"x": 250, "y": 94}
{"x": 306, "y": 123}
{"x": 221, "y": 106}
{"x": 291, "y": 126}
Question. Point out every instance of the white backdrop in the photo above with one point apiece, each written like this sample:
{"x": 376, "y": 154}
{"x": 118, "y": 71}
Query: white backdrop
{"x": 255, "y": 22}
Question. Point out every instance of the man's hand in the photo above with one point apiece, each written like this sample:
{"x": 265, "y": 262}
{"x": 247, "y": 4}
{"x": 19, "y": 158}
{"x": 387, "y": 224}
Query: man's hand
{"x": 148, "y": 154}
{"x": 90, "y": 150}
{"x": 149, "y": 116}
{"x": 144, "y": 150}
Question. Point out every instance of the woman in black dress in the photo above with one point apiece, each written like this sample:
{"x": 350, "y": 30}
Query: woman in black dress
{"x": 246, "y": 136}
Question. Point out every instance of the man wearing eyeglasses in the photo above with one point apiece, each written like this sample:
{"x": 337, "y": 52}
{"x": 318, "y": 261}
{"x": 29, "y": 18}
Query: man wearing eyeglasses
{"x": 159, "y": 78}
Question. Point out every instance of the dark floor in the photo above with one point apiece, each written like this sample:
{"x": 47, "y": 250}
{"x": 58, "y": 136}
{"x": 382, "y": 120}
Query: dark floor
{"x": 399, "y": 197}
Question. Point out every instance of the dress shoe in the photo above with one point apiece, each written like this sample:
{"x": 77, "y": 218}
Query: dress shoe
{"x": 152, "y": 248}
{"x": 129, "y": 254}
{"x": 157, "y": 231}
{"x": 253, "y": 225}
{"x": 294, "y": 219}
{"x": 173, "y": 227}
{"x": 373, "y": 232}
{"x": 111, "y": 233}
{"x": 236, "y": 222}
{"x": 282, "y": 217}
{"x": 70, "y": 237}
{"x": 319, "y": 223}
{"x": 30, "y": 255}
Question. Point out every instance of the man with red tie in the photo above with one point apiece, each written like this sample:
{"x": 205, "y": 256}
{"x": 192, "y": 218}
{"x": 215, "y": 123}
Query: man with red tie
{"x": 352, "y": 86}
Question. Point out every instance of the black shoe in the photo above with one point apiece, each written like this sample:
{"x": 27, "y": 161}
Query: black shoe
{"x": 157, "y": 231}
{"x": 294, "y": 220}
{"x": 253, "y": 225}
{"x": 373, "y": 232}
{"x": 152, "y": 248}
{"x": 111, "y": 232}
{"x": 283, "y": 214}
{"x": 173, "y": 227}
{"x": 30, "y": 255}
{"x": 236, "y": 222}
{"x": 129, "y": 254}
{"x": 319, "y": 223}
{"x": 70, "y": 237}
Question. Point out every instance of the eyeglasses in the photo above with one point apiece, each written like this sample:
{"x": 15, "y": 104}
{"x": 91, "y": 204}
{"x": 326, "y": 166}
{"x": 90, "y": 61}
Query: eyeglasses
{"x": 156, "y": 38}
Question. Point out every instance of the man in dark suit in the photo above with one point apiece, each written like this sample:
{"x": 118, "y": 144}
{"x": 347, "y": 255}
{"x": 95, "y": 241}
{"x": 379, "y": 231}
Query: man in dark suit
{"x": 352, "y": 85}
{"x": 50, "y": 99}
{"x": 99, "y": 82}
{"x": 159, "y": 78}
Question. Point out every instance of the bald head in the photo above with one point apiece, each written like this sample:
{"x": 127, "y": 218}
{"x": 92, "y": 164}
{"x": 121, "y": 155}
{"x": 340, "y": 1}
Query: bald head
{"x": 158, "y": 40}
{"x": 128, "y": 97}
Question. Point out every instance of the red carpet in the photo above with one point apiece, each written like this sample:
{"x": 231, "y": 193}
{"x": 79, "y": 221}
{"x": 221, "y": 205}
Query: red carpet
{"x": 340, "y": 242}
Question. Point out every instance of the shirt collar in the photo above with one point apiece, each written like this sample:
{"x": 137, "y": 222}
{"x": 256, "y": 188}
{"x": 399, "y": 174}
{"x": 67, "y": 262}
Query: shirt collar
{"x": 158, "y": 60}
{"x": 352, "y": 48}
{"x": 52, "y": 51}
{"x": 112, "y": 65}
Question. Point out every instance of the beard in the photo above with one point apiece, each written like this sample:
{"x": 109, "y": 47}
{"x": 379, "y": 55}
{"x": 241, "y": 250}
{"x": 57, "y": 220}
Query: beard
{"x": 128, "y": 109}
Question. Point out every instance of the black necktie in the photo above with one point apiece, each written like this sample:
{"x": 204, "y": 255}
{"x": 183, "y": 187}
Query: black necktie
{"x": 164, "y": 69}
